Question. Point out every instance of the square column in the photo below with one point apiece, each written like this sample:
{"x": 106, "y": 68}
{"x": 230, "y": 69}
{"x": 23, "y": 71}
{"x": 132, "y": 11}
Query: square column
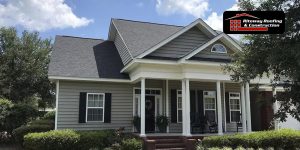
{"x": 219, "y": 108}
{"x": 167, "y": 103}
{"x": 183, "y": 103}
{"x": 142, "y": 134}
{"x": 248, "y": 109}
{"x": 188, "y": 109}
{"x": 243, "y": 108}
{"x": 275, "y": 109}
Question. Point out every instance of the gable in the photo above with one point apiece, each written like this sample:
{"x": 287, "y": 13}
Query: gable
{"x": 181, "y": 45}
{"x": 207, "y": 55}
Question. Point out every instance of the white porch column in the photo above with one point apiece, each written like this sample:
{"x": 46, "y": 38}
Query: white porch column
{"x": 167, "y": 103}
{"x": 248, "y": 108}
{"x": 219, "y": 108}
{"x": 143, "y": 107}
{"x": 243, "y": 108}
{"x": 275, "y": 109}
{"x": 188, "y": 109}
{"x": 56, "y": 103}
{"x": 183, "y": 107}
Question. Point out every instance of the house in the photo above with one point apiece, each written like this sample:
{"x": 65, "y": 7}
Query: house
{"x": 148, "y": 69}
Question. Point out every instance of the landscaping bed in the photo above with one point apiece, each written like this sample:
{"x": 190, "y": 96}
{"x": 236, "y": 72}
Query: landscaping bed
{"x": 281, "y": 139}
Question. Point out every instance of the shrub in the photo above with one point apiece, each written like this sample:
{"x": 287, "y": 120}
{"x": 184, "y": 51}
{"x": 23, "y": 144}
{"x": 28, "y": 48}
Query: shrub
{"x": 131, "y": 144}
{"x": 50, "y": 115}
{"x": 285, "y": 139}
{"x": 95, "y": 139}
{"x": 56, "y": 139}
{"x": 5, "y": 106}
{"x": 19, "y": 114}
{"x": 5, "y": 138}
{"x": 50, "y": 123}
{"x": 19, "y": 133}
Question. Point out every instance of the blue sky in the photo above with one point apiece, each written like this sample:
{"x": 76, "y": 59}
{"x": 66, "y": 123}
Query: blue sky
{"x": 91, "y": 18}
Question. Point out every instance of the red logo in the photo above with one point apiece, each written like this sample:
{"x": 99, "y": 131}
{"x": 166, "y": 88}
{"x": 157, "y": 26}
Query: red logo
{"x": 236, "y": 24}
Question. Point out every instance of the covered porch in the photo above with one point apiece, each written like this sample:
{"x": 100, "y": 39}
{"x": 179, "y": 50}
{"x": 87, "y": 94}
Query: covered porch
{"x": 194, "y": 107}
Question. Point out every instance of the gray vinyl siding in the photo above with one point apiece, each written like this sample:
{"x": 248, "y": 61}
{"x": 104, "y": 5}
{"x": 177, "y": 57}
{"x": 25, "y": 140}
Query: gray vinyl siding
{"x": 124, "y": 53}
{"x": 182, "y": 45}
{"x": 206, "y": 53}
{"x": 68, "y": 105}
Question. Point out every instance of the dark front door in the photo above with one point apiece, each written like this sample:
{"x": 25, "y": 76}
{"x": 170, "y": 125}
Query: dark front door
{"x": 150, "y": 114}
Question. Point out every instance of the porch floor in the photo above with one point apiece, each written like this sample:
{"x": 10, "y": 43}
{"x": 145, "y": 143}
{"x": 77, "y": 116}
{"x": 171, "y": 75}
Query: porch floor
{"x": 192, "y": 135}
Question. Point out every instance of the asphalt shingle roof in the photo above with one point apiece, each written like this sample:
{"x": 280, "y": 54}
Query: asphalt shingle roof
{"x": 141, "y": 36}
{"x": 84, "y": 57}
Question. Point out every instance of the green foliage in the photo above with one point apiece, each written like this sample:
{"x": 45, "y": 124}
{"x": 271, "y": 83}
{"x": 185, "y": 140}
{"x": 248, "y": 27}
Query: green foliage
{"x": 131, "y": 144}
{"x": 49, "y": 115}
{"x": 19, "y": 133}
{"x": 162, "y": 123}
{"x": 5, "y": 106}
{"x": 56, "y": 139}
{"x": 19, "y": 114}
{"x": 95, "y": 139}
{"x": 50, "y": 123}
{"x": 23, "y": 66}
{"x": 285, "y": 139}
{"x": 276, "y": 54}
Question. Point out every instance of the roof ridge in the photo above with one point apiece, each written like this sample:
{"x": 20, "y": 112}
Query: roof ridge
{"x": 79, "y": 37}
{"x": 147, "y": 22}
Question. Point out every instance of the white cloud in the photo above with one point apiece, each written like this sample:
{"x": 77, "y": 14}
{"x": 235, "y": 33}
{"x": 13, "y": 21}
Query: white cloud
{"x": 196, "y": 8}
{"x": 39, "y": 15}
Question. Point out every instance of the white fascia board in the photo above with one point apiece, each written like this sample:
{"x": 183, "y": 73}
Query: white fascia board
{"x": 88, "y": 79}
{"x": 191, "y": 62}
{"x": 175, "y": 35}
{"x": 202, "y": 47}
{"x": 234, "y": 43}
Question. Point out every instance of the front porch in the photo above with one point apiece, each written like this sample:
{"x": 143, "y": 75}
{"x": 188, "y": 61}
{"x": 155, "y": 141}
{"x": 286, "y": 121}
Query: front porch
{"x": 194, "y": 107}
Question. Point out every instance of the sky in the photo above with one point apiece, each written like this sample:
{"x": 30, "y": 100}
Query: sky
{"x": 91, "y": 18}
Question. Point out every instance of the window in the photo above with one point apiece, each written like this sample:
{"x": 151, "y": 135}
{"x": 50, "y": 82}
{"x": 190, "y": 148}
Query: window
{"x": 234, "y": 107}
{"x": 179, "y": 106}
{"x": 95, "y": 107}
{"x": 219, "y": 48}
{"x": 210, "y": 105}
{"x": 137, "y": 107}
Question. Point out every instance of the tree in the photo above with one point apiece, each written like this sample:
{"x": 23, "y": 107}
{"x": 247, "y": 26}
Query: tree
{"x": 24, "y": 65}
{"x": 274, "y": 55}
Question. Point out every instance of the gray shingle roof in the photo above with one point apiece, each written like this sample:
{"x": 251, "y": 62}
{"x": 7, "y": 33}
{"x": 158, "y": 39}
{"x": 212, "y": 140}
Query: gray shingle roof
{"x": 84, "y": 57}
{"x": 141, "y": 36}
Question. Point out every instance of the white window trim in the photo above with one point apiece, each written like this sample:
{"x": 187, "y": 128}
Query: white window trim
{"x": 204, "y": 109}
{"x": 230, "y": 110}
{"x": 179, "y": 95}
{"x": 211, "y": 50}
{"x": 86, "y": 107}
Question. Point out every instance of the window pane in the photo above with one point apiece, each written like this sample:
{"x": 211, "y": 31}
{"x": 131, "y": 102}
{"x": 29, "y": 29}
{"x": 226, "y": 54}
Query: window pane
{"x": 91, "y": 100}
{"x": 210, "y": 115}
{"x": 179, "y": 116}
{"x": 95, "y": 114}
{"x": 136, "y": 106}
{"x": 137, "y": 91}
{"x": 235, "y": 116}
{"x": 179, "y": 105}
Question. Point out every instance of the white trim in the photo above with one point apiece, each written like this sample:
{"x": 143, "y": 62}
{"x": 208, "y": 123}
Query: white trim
{"x": 170, "y": 38}
{"x": 56, "y": 103}
{"x": 244, "y": 122}
{"x": 143, "y": 96}
{"x": 224, "y": 107}
{"x": 194, "y": 52}
{"x": 89, "y": 79}
{"x": 211, "y": 50}
{"x": 234, "y": 43}
{"x": 177, "y": 96}
{"x": 235, "y": 110}
{"x": 248, "y": 107}
{"x": 87, "y": 106}
{"x": 219, "y": 108}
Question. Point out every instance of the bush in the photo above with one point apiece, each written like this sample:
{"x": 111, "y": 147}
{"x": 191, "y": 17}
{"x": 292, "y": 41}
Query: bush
{"x": 5, "y": 106}
{"x": 95, "y": 139}
{"x": 131, "y": 144}
{"x": 19, "y": 133}
{"x": 285, "y": 139}
{"x": 50, "y": 115}
{"x": 50, "y": 123}
{"x": 56, "y": 139}
{"x": 19, "y": 114}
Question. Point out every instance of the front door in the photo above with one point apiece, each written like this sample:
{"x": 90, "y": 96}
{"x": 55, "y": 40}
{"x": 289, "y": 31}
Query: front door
{"x": 150, "y": 114}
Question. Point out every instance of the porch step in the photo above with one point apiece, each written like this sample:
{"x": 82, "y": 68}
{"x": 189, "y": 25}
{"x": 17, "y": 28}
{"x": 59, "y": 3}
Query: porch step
{"x": 167, "y": 142}
{"x": 170, "y": 145}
